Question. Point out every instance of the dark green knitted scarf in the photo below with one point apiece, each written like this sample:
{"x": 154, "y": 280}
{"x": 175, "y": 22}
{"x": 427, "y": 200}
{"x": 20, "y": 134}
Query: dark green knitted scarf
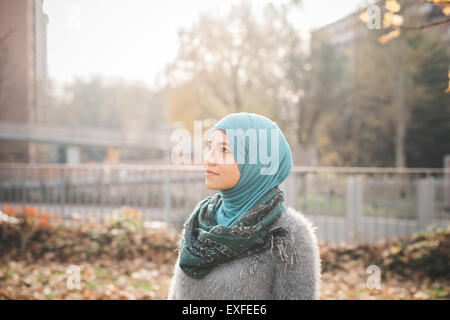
{"x": 205, "y": 244}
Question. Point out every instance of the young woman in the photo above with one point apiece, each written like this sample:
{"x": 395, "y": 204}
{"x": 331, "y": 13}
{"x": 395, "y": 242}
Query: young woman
{"x": 243, "y": 243}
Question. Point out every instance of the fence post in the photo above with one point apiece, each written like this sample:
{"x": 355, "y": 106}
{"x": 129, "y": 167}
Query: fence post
{"x": 167, "y": 196}
{"x": 101, "y": 196}
{"x": 290, "y": 190}
{"x": 425, "y": 202}
{"x": 354, "y": 208}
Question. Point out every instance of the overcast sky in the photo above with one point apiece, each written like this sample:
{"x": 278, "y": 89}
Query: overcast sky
{"x": 133, "y": 39}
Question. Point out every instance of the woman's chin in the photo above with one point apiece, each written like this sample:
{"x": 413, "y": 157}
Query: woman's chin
{"x": 211, "y": 186}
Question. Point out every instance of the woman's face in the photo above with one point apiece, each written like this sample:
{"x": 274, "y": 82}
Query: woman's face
{"x": 220, "y": 166}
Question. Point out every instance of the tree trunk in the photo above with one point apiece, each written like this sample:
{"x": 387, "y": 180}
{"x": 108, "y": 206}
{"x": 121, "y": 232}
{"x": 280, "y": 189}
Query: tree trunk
{"x": 400, "y": 130}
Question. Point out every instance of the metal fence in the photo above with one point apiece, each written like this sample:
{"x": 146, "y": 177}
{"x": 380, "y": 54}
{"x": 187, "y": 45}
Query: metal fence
{"x": 345, "y": 204}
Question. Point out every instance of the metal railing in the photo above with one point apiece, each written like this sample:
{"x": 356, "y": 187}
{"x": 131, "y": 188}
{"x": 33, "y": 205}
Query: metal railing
{"x": 86, "y": 136}
{"x": 346, "y": 204}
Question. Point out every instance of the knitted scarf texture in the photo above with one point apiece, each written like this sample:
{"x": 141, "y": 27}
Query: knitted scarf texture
{"x": 206, "y": 244}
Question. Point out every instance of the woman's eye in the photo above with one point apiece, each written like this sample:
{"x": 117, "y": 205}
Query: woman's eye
{"x": 225, "y": 150}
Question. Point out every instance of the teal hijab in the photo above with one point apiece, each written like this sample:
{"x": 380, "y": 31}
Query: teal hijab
{"x": 264, "y": 159}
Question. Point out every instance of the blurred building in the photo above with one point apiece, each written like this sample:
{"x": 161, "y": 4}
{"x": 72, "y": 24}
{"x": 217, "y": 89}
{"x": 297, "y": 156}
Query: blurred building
{"x": 344, "y": 32}
{"x": 23, "y": 71}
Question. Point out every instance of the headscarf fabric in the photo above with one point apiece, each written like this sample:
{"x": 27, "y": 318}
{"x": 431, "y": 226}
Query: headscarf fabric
{"x": 264, "y": 159}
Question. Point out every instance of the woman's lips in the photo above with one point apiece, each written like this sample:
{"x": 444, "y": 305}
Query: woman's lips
{"x": 210, "y": 173}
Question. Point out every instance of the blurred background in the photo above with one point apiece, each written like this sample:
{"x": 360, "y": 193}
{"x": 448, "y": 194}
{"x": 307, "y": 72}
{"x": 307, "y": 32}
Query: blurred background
{"x": 92, "y": 92}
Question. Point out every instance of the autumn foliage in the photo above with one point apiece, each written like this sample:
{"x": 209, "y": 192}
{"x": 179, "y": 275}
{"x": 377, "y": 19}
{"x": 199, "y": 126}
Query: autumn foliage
{"x": 35, "y": 234}
{"x": 118, "y": 261}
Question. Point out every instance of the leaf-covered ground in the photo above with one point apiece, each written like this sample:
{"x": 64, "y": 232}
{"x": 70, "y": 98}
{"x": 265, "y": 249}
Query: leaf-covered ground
{"x": 123, "y": 260}
{"x": 351, "y": 282}
{"x": 103, "y": 279}
{"x": 141, "y": 279}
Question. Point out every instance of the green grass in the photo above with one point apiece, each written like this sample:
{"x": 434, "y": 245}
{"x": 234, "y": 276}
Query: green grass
{"x": 51, "y": 296}
{"x": 91, "y": 285}
{"x": 317, "y": 204}
{"x": 443, "y": 213}
{"x": 438, "y": 293}
{"x": 324, "y": 205}
{"x": 143, "y": 286}
{"x": 10, "y": 272}
{"x": 403, "y": 210}
{"x": 101, "y": 273}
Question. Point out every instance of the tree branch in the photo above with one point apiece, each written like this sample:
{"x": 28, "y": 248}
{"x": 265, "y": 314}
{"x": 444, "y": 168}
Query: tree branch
{"x": 216, "y": 90}
{"x": 424, "y": 26}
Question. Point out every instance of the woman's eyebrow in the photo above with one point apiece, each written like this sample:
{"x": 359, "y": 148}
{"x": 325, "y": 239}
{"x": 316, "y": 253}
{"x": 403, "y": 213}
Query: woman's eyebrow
{"x": 209, "y": 141}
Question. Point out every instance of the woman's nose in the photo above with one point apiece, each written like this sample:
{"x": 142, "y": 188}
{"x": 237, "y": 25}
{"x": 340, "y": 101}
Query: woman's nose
{"x": 209, "y": 157}
{"x": 213, "y": 157}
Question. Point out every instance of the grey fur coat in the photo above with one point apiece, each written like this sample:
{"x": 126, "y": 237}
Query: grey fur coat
{"x": 289, "y": 270}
